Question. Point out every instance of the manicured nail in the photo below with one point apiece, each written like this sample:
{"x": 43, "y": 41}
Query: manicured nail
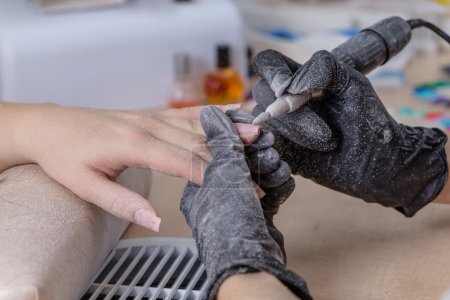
{"x": 248, "y": 129}
{"x": 147, "y": 219}
{"x": 259, "y": 190}
{"x": 247, "y": 140}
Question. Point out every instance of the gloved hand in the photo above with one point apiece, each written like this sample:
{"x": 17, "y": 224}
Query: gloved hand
{"x": 271, "y": 174}
{"x": 226, "y": 216}
{"x": 359, "y": 149}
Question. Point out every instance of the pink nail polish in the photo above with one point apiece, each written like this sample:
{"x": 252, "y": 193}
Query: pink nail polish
{"x": 248, "y": 129}
{"x": 259, "y": 190}
{"x": 246, "y": 140}
{"x": 147, "y": 219}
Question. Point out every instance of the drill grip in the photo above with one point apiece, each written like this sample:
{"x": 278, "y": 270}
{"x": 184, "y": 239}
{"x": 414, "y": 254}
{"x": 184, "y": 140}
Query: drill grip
{"x": 375, "y": 45}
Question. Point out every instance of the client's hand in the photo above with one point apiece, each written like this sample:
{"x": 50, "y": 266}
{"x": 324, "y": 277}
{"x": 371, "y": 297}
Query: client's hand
{"x": 86, "y": 149}
{"x": 226, "y": 216}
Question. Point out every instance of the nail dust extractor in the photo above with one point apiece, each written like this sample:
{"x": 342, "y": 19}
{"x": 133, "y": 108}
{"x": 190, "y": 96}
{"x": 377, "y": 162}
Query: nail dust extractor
{"x": 150, "y": 268}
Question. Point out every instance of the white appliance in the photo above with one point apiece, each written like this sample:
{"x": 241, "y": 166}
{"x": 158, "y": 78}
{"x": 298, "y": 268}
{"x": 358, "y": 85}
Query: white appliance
{"x": 116, "y": 57}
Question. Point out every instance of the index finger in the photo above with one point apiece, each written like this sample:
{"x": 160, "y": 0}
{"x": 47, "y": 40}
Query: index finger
{"x": 277, "y": 69}
{"x": 191, "y": 112}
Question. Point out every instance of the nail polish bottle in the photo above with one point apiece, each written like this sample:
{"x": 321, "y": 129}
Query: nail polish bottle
{"x": 184, "y": 92}
{"x": 224, "y": 85}
{"x": 253, "y": 78}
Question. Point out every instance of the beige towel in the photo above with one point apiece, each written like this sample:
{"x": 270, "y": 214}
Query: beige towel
{"x": 52, "y": 242}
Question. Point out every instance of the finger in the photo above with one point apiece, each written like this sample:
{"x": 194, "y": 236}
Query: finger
{"x": 191, "y": 125}
{"x": 278, "y": 195}
{"x": 264, "y": 161}
{"x": 303, "y": 127}
{"x": 228, "y": 169}
{"x": 243, "y": 122}
{"x": 185, "y": 113}
{"x": 187, "y": 140}
{"x": 220, "y": 131}
{"x": 285, "y": 75}
{"x": 263, "y": 95}
{"x": 247, "y": 133}
{"x": 239, "y": 116}
{"x": 308, "y": 129}
{"x": 192, "y": 112}
{"x": 191, "y": 189}
{"x": 117, "y": 200}
{"x": 265, "y": 140}
{"x": 317, "y": 74}
{"x": 275, "y": 178}
{"x": 242, "y": 117}
{"x": 246, "y": 119}
{"x": 166, "y": 158}
{"x": 276, "y": 68}
{"x": 222, "y": 136}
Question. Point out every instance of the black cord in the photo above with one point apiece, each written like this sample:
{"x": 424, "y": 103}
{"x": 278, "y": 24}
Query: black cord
{"x": 415, "y": 23}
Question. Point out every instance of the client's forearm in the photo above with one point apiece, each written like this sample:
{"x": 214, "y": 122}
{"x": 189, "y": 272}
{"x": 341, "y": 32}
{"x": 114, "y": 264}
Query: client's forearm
{"x": 254, "y": 286}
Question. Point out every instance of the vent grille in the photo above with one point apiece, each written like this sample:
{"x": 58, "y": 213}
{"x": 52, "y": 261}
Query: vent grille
{"x": 150, "y": 269}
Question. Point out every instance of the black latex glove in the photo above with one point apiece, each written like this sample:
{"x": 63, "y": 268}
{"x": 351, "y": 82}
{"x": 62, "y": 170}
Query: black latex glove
{"x": 271, "y": 174}
{"x": 226, "y": 216}
{"x": 366, "y": 153}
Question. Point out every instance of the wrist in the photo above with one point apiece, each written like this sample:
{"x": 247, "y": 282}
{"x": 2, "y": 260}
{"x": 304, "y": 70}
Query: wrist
{"x": 14, "y": 119}
{"x": 417, "y": 175}
{"x": 258, "y": 285}
{"x": 249, "y": 259}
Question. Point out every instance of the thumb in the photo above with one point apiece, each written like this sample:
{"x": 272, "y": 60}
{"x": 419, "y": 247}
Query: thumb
{"x": 319, "y": 73}
{"x": 222, "y": 136}
{"x": 277, "y": 69}
{"x": 228, "y": 169}
{"x": 101, "y": 191}
{"x": 303, "y": 127}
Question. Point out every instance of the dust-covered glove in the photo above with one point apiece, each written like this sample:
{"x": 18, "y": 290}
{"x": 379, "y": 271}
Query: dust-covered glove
{"x": 345, "y": 139}
{"x": 226, "y": 216}
{"x": 268, "y": 171}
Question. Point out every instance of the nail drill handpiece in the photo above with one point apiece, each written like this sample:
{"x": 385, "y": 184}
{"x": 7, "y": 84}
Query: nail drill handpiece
{"x": 370, "y": 48}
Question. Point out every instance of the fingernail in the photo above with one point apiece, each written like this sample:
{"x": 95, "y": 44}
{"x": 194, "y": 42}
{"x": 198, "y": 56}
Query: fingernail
{"x": 147, "y": 219}
{"x": 247, "y": 140}
{"x": 259, "y": 190}
{"x": 248, "y": 129}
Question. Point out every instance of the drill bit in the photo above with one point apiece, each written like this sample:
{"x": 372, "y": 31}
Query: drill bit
{"x": 261, "y": 118}
{"x": 286, "y": 103}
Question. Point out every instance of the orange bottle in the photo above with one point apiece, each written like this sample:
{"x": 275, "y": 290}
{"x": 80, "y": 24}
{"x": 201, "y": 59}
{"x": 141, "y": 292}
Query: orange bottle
{"x": 224, "y": 86}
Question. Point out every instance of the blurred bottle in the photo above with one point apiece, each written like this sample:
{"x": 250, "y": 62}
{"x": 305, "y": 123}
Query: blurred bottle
{"x": 224, "y": 85}
{"x": 184, "y": 92}
{"x": 253, "y": 78}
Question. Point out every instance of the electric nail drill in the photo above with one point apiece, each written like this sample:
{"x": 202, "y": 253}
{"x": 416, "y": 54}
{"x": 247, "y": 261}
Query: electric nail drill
{"x": 370, "y": 48}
